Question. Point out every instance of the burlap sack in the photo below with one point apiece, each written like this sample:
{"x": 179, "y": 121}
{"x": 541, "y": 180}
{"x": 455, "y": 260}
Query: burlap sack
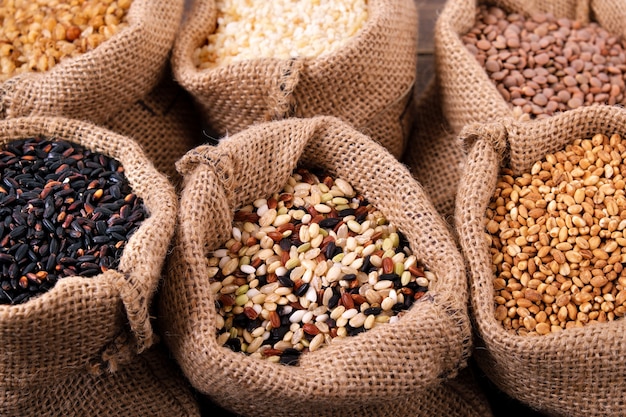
{"x": 364, "y": 375}
{"x": 458, "y": 397}
{"x": 461, "y": 396}
{"x": 575, "y": 372}
{"x": 468, "y": 95}
{"x": 94, "y": 324}
{"x": 149, "y": 386}
{"x": 433, "y": 153}
{"x": 103, "y": 81}
{"x": 367, "y": 82}
{"x": 165, "y": 123}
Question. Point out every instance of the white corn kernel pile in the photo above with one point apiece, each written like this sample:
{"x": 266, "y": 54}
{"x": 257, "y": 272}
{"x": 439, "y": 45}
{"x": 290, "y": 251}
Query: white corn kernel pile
{"x": 283, "y": 29}
{"x": 36, "y": 34}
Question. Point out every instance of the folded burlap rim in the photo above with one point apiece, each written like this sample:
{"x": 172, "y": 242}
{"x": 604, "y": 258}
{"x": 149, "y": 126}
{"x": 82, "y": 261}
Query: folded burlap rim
{"x": 366, "y": 82}
{"x": 289, "y": 70}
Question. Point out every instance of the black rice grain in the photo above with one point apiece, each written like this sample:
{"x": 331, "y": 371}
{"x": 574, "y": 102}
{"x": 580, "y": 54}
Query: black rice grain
{"x": 64, "y": 210}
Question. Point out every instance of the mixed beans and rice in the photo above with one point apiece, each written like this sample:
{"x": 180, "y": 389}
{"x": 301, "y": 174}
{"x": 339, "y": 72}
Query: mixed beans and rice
{"x": 310, "y": 263}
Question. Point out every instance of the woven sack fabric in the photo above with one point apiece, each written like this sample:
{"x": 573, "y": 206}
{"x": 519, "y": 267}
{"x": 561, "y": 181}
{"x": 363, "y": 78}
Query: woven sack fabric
{"x": 468, "y": 95}
{"x": 165, "y": 123}
{"x": 366, "y": 83}
{"x": 458, "y": 397}
{"x": 384, "y": 366}
{"x": 98, "y": 323}
{"x": 149, "y": 386}
{"x": 433, "y": 153}
{"x": 578, "y": 371}
{"x": 103, "y": 81}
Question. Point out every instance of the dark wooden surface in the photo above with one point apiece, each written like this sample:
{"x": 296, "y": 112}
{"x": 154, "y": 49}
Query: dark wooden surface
{"x": 428, "y": 11}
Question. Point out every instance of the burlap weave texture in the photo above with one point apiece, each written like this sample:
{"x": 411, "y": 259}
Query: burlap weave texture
{"x": 366, "y": 83}
{"x": 149, "y": 386}
{"x": 578, "y": 371}
{"x": 433, "y": 153}
{"x": 371, "y": 371}
{"x": 165, "y": 123}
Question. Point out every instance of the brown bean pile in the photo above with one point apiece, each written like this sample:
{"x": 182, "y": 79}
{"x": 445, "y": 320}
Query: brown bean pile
{"x": 558, "y": 240}
{"x": 36, "y": 35}
{"x": 307, "y": 265}
{"x": 542, "y": 65}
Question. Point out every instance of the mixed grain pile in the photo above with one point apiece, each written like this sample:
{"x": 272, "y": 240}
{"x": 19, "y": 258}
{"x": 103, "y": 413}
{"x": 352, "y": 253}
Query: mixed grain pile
{"x": 313, "y": 262}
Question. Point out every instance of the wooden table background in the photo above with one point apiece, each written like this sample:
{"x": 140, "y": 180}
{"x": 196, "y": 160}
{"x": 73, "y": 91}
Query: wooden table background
{"x": 428, "y": 11}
